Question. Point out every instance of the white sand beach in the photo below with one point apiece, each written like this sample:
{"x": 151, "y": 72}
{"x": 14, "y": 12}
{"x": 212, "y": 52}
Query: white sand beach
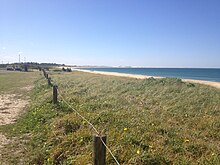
{"x": 210, "y": 83}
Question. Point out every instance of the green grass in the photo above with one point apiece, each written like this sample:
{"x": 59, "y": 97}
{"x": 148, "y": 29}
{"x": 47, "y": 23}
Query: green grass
{"x": 15, "y": 82}
{"x": 152, "y": 121}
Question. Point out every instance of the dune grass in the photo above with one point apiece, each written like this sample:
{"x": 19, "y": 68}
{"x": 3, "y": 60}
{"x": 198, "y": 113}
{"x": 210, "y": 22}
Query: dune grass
{"x": 152, "y": 121}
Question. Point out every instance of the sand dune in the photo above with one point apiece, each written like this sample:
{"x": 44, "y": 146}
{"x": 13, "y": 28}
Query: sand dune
{"x": 210, "y": 83}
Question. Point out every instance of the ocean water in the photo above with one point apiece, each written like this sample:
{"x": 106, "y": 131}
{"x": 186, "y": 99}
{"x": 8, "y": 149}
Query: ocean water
{"x": 208, "y": 74}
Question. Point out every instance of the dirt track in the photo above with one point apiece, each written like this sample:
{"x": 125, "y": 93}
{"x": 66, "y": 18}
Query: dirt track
{"x": 10, "y": 108}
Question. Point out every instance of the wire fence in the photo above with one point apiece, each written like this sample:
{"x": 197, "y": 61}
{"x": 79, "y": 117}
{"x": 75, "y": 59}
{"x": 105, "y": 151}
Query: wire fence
{"x": 78, "y": 113}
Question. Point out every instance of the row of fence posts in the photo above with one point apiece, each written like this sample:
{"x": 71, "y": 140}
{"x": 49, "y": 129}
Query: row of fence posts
{"x": 99, "y": 149}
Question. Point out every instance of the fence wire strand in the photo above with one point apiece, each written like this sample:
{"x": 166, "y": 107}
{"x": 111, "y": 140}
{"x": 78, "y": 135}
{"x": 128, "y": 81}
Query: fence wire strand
{"x": 93, "y": 127}
{"x": 79, "y": 113}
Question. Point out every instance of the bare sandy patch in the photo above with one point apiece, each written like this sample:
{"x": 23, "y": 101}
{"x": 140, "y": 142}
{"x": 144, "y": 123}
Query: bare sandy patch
{"x": 10, "y": 108}
{"x": 27, "y": 88}
{"x": 209, "y": 83}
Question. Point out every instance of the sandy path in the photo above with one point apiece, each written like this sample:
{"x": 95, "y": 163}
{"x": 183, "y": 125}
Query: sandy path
{"x": 10, "y": 107}
{"x": 210, "y": 83}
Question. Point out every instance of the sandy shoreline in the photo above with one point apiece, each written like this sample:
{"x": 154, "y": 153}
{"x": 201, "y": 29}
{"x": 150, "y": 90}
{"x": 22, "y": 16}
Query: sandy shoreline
{"x": 210, "y": 83}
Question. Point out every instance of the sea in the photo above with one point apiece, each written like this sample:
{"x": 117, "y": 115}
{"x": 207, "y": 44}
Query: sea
{"x": 207, "y": 74}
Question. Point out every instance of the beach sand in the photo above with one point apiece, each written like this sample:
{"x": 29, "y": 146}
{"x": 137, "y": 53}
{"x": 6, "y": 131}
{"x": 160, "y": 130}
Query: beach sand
{"x": 209, "y": 83}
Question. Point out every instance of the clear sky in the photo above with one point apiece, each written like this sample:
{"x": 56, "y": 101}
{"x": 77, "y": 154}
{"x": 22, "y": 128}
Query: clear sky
{"x": 155, "y": 33}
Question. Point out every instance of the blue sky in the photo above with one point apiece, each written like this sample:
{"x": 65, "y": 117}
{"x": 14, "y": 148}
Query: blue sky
{"x": 154, "y": 33}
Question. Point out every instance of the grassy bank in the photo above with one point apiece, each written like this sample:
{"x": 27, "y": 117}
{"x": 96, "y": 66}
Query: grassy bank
{"x": 15, "y": 93}
{"x": 163, "y": 121}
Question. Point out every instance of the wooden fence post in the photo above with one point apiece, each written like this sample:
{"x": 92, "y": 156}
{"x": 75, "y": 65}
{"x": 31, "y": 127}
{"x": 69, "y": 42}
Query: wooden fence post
{"x": 99, "y": 150}
{"x": 49, "y": 81}
{"x": 46, "y": 76}
{"x": 44, "y": 72}
{"x": 55, "y": 94}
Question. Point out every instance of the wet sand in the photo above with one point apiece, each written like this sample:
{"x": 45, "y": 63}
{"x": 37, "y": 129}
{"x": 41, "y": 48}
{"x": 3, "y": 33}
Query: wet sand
{"x": 210, "y": 83}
